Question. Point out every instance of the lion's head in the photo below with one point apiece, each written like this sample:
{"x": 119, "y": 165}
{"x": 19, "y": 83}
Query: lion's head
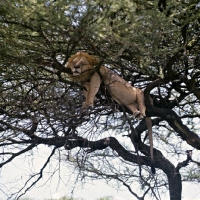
{"x": 82, "y": 66}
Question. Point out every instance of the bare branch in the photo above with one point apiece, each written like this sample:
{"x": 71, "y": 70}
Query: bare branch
{"x": 14, "y": 155}
{"x": 39, "y": 174}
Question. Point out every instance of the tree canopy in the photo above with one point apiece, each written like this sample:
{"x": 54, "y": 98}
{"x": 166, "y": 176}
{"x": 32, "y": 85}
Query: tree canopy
{"x": 154, "y": 45}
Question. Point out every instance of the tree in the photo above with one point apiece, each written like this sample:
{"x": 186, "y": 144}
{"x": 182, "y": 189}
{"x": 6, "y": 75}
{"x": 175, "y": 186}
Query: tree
{"x": 62, "y": 198}
{"x": 69, "y": 198}
{"x": 106, "y": 198}
{"x": 154, "y": 45}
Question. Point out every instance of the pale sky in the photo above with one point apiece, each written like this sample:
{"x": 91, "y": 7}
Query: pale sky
{"x": 14, "y": 171}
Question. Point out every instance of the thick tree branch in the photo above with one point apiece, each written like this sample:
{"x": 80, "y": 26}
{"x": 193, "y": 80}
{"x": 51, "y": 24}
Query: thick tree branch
{"x": 91, "y": 146}
{"x": 113, "y": 143}
{"x": 172, "y": 118}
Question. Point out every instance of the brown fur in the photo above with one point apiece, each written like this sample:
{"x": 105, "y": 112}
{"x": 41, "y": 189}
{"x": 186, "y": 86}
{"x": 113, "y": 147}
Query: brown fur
{"x": 88, "y": 73}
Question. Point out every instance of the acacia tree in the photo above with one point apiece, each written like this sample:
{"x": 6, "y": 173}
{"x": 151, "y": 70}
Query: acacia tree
{"x": 154, "y": 45}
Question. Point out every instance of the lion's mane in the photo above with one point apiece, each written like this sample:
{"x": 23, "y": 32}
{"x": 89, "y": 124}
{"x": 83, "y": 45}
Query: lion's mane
{"x": 84, "y": 76}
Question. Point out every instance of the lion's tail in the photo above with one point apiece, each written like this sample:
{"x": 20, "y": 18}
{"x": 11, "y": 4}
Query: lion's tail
{"x": 149, "y": 126}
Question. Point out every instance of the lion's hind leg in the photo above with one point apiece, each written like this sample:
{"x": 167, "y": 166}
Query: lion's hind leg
{"x": 141, "y": 103}
{"x": 133, "y": 108}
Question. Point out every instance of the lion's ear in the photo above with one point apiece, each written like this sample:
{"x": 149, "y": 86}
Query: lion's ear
{"x": 67, "y": 65}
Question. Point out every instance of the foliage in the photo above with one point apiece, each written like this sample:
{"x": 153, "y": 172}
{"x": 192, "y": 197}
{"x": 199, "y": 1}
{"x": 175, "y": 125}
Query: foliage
{"x": 65, "y": 198}
{"x": 106, "y": 198}
{"x": 154, "y": 45}
{"x": 69, "y": 198}
{"x": 26, "y": 198}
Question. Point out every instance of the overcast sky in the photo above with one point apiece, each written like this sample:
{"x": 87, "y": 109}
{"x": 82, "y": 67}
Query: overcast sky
{"x": 16, "y": 173}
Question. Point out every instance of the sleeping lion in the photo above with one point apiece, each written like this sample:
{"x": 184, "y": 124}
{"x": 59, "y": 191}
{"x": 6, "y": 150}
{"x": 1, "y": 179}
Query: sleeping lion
{"x": 83, "y": 65}
{"x": 83, "y": 70}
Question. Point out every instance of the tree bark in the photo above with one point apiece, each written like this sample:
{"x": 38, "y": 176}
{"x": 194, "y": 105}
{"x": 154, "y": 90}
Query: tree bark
{"x": 175, "y": 185}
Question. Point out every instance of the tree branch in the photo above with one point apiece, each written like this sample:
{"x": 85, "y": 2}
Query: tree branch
{"x": 18, "y": 153}
{"x": 172, "y": 118}
{"x": 40, "y": 175}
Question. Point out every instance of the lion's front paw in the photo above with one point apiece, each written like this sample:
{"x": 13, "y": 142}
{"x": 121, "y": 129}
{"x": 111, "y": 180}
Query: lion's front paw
{"x": 136, "y": 114}
{"x": 87, "y": 104}
{"x": 141, "y": 116}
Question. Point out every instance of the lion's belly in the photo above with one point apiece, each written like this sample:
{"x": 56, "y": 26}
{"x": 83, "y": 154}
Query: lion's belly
{"x": 122, "y": 94}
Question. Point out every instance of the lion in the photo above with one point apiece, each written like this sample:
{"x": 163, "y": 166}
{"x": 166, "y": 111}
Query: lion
{"x": 83, "y": 65}
{"x": 83, "y": 70}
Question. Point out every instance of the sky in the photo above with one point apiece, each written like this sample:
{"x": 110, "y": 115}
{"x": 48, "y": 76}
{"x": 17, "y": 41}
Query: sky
{"x": 17, "y": 172}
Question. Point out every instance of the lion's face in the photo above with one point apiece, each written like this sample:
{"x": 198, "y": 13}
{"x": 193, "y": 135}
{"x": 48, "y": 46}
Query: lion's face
{"x": 82, "y": 66}
{"x": 79, "y": 65}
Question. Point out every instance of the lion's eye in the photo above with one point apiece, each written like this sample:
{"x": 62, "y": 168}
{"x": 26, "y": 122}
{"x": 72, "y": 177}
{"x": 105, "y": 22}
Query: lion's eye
{"x": 77, "y": 66}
